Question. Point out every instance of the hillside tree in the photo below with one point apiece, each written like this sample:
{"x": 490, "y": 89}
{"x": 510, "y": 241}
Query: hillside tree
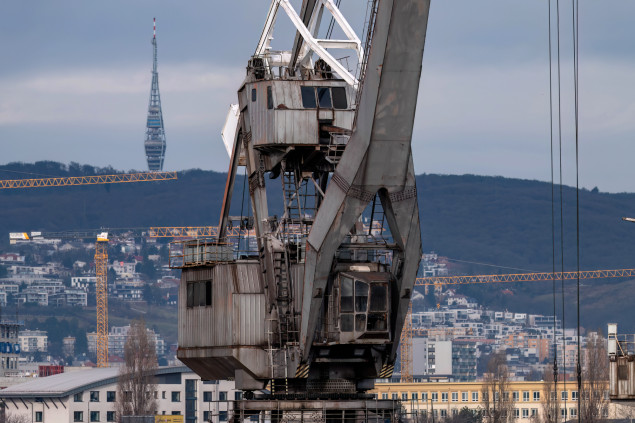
{"x": 496, "y": 399}
{"x": 136, "y": 385}
{"x": 549, "y": 398}
{"x": 595, "y": 376}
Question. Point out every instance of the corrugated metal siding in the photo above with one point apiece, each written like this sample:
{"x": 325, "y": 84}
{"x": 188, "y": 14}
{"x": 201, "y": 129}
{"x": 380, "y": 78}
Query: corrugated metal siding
{"x": 249, "y": 279}
{"x": 237, "y": 314}
{"x": 249, "y": 319}
{"x": 294, "y": 125}
{"x": 222, "y": 305}
{"x": 262, "y": 119}
{"x": 344, "y": 118}
{"x": 196, "y": 274}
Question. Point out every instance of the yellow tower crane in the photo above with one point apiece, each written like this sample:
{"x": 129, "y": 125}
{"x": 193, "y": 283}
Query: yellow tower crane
{"x": 407, "y": 333}
{"x": 101, "y": 287}
{"x": 101, "y": 244}
{"x": 86, "y": 180}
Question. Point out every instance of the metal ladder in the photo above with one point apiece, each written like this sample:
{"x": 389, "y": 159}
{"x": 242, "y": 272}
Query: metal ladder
{"x": 292, "y": 204}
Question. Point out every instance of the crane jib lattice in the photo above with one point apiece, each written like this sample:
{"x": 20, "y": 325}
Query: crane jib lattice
{"x": 524, "y": 277}
{"x": 87, "y": 180}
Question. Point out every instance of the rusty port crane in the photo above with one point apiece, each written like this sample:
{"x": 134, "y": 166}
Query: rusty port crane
{"x": 315, "y": 314}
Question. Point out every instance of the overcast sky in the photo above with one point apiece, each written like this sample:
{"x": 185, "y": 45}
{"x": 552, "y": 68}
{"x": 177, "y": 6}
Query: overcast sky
{"x": 75, "y": 80}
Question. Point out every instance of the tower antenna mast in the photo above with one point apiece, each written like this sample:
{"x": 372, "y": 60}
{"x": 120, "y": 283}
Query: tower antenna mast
{"x": 155, "y": 133}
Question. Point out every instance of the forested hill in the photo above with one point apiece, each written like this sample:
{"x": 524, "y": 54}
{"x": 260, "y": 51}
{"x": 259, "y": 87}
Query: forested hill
{"x": 507, "y": 222}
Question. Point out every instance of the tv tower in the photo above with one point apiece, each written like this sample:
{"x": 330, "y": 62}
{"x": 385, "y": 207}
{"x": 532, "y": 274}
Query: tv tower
{"x": 155, "y": 134}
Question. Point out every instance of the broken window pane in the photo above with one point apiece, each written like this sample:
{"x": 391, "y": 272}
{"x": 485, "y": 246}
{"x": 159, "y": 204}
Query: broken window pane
{"x": 377, "y": 322}
{"x": 361, "y": 296}
{"x": 360, "y": 322}
{"x": 346, "y": 302}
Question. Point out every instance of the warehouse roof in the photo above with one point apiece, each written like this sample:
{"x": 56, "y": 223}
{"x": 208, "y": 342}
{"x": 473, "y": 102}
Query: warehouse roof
{"x": 66, "y": 384}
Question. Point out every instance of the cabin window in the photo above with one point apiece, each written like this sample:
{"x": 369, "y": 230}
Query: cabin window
{"x": 324, "y": 96}
{"x": 327, "y": 97}
{"x": 269, "y": 98}
{"x": 190, "y": 294}
{"x": 347, "y": 294}
{"x": 199, "y": 294}
{"x": 360, "y": 322}
{"x": 308, "y": 97}
{"x": 339, "y": 97}
{"x": 378, "y": 297}
{"x": 208, "y": 293}
{"x": 377, "y": 322}
{"x": 360, "y": 313}
{"x": 361, "y": 296}
{"x": 253, "y": 94}
{"x": 346, "y": 322}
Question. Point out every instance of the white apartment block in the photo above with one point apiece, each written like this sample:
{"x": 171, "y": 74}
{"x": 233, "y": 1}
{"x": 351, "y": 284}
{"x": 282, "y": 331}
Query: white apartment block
{"x": 33, "y": 340}
{"x": 117, "y": 340}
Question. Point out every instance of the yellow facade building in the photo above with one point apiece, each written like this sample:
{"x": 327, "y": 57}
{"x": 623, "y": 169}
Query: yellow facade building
{"x": 446, "y": 399}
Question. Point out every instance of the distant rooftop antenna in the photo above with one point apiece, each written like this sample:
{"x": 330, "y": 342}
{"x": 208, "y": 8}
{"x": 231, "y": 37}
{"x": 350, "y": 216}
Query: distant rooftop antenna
{"x": 155, "y": 133}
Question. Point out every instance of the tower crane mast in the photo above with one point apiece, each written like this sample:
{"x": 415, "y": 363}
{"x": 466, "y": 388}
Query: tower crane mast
{"x": 101, "y": 287}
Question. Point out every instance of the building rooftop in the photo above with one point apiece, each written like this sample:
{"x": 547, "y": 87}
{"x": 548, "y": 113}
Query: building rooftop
{"x": 66, "y": 384}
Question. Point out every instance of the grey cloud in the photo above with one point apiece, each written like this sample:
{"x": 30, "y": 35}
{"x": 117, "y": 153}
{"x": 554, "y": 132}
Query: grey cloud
{"x": 483, "y": 106}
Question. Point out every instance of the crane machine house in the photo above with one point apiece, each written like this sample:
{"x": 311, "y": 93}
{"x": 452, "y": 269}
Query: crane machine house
{"x": 315, "y": 311}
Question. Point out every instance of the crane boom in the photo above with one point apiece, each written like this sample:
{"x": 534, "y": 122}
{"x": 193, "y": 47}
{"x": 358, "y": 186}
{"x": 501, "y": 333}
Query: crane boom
{"x": 524, "y": 277}
{"x": 409, "y": 331}
{"x": 87, "y": 180}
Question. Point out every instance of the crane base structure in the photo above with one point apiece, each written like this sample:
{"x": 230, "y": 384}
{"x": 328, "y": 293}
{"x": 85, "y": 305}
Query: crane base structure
{"x": 310, "y": 410}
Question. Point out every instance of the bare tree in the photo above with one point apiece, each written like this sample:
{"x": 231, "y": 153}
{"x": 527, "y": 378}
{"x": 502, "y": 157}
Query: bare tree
{"x": 17, "y": 418}
{"x": 497, "y": 401}
{"x": 550, "y": 400}
{"x": 136, "y": 385}
{"x": 595, "y": 376}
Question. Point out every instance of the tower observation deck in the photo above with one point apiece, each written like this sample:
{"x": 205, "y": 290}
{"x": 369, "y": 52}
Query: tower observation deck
{"x": 155, "y": 133}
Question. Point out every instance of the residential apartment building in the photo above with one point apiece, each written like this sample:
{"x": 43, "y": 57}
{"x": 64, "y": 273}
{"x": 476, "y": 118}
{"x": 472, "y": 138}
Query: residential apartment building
{"x": 123, "y": 269}
{"x": 12, "y": 258}
{"x": 33, "y": 340}
{"x": 128, "y": 290}
{"x": 464, "y": 360}
{"x": 117, "y": 340}
{"x": 69, "y": 297}
{"x": 86, "y": 283}
{"x": 9, "y": 347}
